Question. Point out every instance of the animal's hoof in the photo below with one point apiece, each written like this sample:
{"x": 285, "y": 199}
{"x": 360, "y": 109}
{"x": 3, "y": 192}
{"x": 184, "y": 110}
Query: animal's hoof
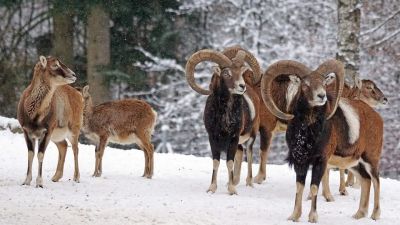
{"x": 343, "y": 192}
{"x": 313, "y": 217}
{"x": 77, "y": 179}
{"x": 349, "y": 183}
{"x": 232, "y": 190}
{"x": 27, "y": 182}
{"x": 39, "y": 182}
{"x": 212, "y": 188}
{"x": 259, "y": 179}
{"x": 329, "y": 197}
{"x": 294, "y": 218}
{"x": 56, "y": 177}
{"x": 96, "y": 174}
{"x": 376, "y": 214}
{"x": 249, "y": 182}
{"x": 359, "y": 214}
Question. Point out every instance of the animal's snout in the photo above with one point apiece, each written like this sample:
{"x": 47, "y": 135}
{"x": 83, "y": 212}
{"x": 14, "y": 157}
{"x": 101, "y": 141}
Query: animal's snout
{"x": 321, "y": 96}
{"x": 385, "y": 101}
{"x": 242, "y": 86}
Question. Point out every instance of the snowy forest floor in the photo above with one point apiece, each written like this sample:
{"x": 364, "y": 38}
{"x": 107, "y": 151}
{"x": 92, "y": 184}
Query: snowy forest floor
{"x": 175, "y": 195}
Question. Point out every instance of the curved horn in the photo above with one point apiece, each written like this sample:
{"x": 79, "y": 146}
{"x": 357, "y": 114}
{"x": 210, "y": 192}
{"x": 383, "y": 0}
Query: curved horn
{"x": 336, "y": 67}
{"x": 273, "y": 71}
{"x": 249, "y": 59}
{"x": 200, "y": 56}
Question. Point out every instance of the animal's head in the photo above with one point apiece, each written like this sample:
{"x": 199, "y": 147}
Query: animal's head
{"x": 228, "y": 72}
{"x": 312, "y": 84}
{"x": 371, "y": 94}
{"x": 35, "y": 133}
{"x": 54, "y": 71}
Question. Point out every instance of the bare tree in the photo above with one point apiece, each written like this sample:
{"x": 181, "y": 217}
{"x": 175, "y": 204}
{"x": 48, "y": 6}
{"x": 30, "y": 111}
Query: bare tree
{"x": 349, "y": 15}
{"x": 98, "y": 51}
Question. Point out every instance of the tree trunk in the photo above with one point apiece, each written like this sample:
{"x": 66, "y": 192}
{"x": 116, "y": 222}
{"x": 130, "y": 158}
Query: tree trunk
{"x": 63, "y": 30}
{"x": 98, "y": 52}
{"x": 348, "y": 37}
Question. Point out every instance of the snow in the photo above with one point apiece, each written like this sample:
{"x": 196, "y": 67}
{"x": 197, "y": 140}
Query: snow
{"x": 175, "y": 195}
{"x": 9, "y": 123}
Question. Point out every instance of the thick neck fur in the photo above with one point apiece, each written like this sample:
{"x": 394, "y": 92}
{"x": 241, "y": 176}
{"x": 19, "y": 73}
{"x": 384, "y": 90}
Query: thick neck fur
{"x": 307, "y": 134}
{"x": 223, "y": 112}
{"x": 87, "y": 111}
{"x": 40, "y": 93}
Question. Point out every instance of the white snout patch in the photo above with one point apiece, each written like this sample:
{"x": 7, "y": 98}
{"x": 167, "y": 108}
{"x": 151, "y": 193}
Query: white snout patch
{"x": 317, "y": 101}
{"x": 292, "y": 90}
{"x": 352, "y": 119}
{"x": 237, "y": 89}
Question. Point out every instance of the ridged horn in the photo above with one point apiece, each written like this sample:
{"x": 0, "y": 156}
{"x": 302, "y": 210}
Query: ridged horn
{"x": 200, "y": 56}
{"x": 231, "y": 52}
{"x": 283, "y": 67}
{"x": 336, "y": 67}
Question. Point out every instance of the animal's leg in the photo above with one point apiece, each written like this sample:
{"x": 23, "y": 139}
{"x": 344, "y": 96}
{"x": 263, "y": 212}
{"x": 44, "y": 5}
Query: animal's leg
{"x": 42, "y": 148}
{"x": 350, "y": 179}
{"x": 75, "y": 149}
{"x": 342, "y": 186}
{"x": 229, "y": 164}
{"x": 365, "y": 179}
{"x": 148, "y": 150}
{"x": 31, "y": 152}
{"x": 376, "y": 213}
{"x": 249, "y": 153}
{"x": 96, "y": 165}
{"x": 149, "y": 160}
{"x": 231, "y": 186}
{"x": 318, "y": 171}
{"x": 326, "y": 191}
{"x": 62, "y": 150}
{"x": 373, "y": 172}
{"x": 300, "y": 181}
{"x": 213, "y": 185}
{"x": 102, "y": 147}
{"x": 238, "y": 165}
{"x": 265, "y": 141}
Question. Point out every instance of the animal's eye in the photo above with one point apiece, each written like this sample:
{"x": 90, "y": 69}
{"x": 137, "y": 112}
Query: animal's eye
{"x": 369, "y": 88}
{"x": 54, "y": 66}
{"x": 226, "y": 73}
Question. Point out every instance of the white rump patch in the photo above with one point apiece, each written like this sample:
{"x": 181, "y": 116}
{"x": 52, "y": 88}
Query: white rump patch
{"x": 352, "y": 119}
{"x": 251, "y": 106}
{"x": 292, "y": 90}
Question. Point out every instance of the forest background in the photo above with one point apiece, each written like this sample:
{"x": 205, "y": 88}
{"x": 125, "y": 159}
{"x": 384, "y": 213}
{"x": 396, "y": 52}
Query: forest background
{"x": 138, "y": 48}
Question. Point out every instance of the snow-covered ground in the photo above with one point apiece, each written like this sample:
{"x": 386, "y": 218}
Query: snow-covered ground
{"x": 175, "y": 195}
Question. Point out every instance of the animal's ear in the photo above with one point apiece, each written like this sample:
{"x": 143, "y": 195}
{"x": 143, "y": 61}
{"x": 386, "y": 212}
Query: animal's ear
{"x": 294, "y": 79}
{"x": 216, "y": 70}
{"x": 43, "y": 61}
{"x": 247, "y": 75}
{"x": 244, "y": 69}
{"x": 85, "y": 90}
{"x": 358, "y": 83}
{"x": 330, "y": 79}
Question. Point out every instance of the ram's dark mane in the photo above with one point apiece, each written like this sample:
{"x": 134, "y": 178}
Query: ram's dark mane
{"x": 307, "y": 135}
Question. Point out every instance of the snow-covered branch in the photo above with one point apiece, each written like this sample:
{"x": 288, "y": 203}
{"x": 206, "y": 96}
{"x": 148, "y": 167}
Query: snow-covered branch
{"x": 157, "y": 64}
{"x": 369, "y": 31}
